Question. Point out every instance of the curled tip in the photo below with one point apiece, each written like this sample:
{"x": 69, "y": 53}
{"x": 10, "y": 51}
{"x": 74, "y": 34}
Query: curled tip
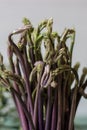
{"x": 76, "y": 66}
{"x": 50, "y": 20}
{"x": 26, "y": 21}
{"x": 48, "y": 81}
{"x": 20, "y": 30}
{"x": 43, "y": 22}
{"x": 47, "y": 68}
{"x": 38, "y": 63}
{"x": 53, "y": 84}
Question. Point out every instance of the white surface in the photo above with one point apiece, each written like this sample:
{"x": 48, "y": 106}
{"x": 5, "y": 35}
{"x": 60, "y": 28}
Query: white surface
{"x": 66, "y": 13}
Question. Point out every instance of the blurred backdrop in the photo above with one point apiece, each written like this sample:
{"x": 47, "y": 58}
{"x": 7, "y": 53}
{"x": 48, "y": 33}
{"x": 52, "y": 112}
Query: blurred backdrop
{"x": 66, "y": 13}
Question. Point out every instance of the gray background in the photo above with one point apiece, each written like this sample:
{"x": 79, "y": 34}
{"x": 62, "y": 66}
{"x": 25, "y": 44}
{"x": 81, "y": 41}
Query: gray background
{"x": 66, "y": 13}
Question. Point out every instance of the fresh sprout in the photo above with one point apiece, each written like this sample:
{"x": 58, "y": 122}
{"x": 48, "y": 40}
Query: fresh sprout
{"x": 41, "y": 86}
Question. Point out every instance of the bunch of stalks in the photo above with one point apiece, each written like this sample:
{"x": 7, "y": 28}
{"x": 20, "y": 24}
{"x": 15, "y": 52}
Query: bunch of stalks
{"x": 46, "y": 88}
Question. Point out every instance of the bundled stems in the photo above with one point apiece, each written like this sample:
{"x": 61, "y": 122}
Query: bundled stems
{"x": 46, "y": 88}
{"x": 17, "y": 52}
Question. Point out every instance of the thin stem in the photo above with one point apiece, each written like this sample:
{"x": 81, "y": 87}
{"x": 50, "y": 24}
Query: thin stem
{"x": 49, "y": 110}
{"x": 28, "y": 68}
{"x": 36, "y": 98}
{"x": 40, "y": 110}
{"x": 72, "y": 45}
{"x": 54, "y": 112}
{"x": 73, "y": 109}
{"x": 28, "y": 114}
{"x": 65, "y": 100}
{"x": 17, "y": 67}
{"x": 30, "y": 49}
{"x": 59, "y": 122}
{"x": 18, "y": 72}
{"x": 21, "y": 113}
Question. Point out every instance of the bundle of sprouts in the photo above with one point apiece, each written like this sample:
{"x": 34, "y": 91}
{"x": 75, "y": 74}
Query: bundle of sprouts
{"x": 45, "y": 86}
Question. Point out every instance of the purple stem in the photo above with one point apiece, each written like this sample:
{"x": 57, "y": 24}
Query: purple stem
{"x": 73, "y": 109}
{"x": 36, "y": 99}
{"x": 54, "y": 112}
{"x": 17, "y": 67}
{"x": 26, "y": 61}
{"x": 18, "y": 72}
{"x": 21, "y": 60}
{"x": 23, "y": 105}
{"x": 65, "y": 103}
{"x": 49, "y": 110}
{"x": 17, "y": 103}
{"x": 20, "y": 112}
{"x": 59, "y": 120}
{"x": 40, "y": 110}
